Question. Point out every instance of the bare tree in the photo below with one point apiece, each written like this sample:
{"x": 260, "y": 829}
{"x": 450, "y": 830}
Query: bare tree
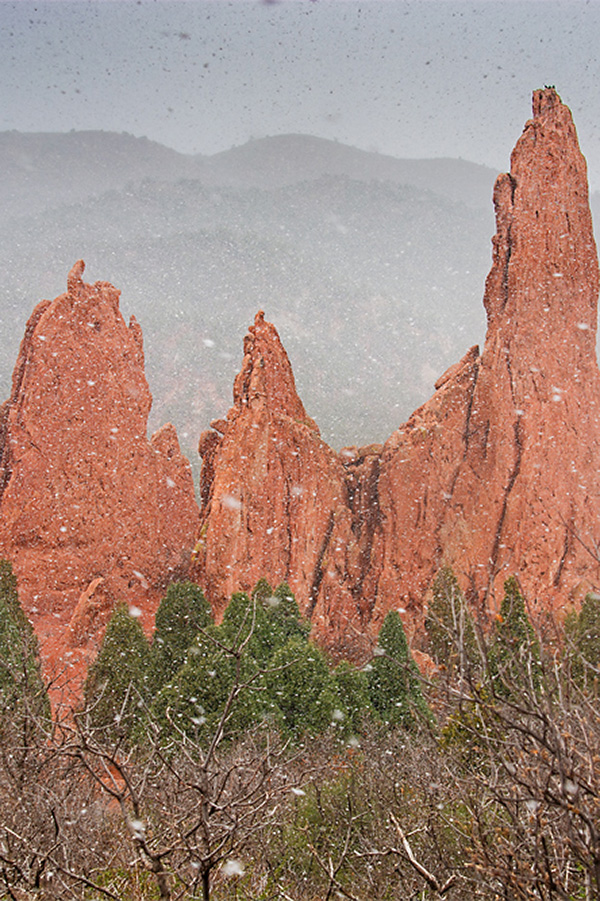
{"x": 528, "y": 736}
{"x": 382, "y": 823}
{"x": 191, "y": 806}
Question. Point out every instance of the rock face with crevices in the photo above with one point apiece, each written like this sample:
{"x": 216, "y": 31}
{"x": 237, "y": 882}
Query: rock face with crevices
{"x": 498, "y": 472}
{"x": 91, "y": 512}
{"x": 275, "y": 496}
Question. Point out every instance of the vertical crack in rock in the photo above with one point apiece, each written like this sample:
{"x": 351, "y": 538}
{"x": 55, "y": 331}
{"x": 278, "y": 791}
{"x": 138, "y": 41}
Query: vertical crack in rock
{"x": 493, "y": 562}
{"x": 313, "y": 595}
{"x": 563, "y": 558}
{"x": 508, "y": 244}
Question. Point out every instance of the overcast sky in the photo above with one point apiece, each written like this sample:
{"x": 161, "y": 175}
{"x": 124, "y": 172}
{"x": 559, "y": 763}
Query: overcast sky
{"x": 413, "y": 79}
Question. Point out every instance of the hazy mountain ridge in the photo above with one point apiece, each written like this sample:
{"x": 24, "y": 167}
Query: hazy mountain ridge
{"x": 43, "y": 168}
{"x": 374, "y": 284}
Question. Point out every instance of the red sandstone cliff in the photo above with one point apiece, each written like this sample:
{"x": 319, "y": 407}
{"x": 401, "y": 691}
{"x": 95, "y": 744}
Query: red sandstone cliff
{"x": 91, "y": 512}
{"x": 275, "y": 498}
{"x": 497, "y": 474}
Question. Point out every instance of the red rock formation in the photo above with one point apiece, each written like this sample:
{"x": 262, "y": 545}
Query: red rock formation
{"x": 91, "y": 512}
{"x": 498, "y": 472}
{"x": 276, "y": 502}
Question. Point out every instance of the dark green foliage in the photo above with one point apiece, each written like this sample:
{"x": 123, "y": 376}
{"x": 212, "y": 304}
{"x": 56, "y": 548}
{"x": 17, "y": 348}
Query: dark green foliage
{"x": 262, "y": 591}
{"x": 394, "y": 680}
{"x": 514, "y": 653}
{"x": 256, "y": 667}
{"x": 182, "y": 613}
{"x": 582, "y": 633}
{"x": 116, "y": 688}
{"x": 449, "y": 625}
{"x": 10, "y": 598}
{"x": 284, "y": 613}
{"x": 513, "y": 627}
{"x": 226, "y": 667}
{"x": 302, "y": 688}
{"x": 23, "y": 698}
{"x": 245, "y": 620}
{"x": 193, "y": 703}
{"x": 352, "y": 689}
{"x": 271, "y": 618}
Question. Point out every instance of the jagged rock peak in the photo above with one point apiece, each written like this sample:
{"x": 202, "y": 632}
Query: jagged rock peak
{"x": 544, "y": 278}
{"x": 91, "y": 512}
{"x": 275, "y": 501}
{"x": 266, "y": 375}
{"x": 75, "y": 278}
{"x": 497, "y": 474}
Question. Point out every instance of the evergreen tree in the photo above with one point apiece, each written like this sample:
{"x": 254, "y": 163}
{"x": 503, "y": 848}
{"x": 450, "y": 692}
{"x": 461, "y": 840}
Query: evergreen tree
{"x": 449, "y": 625}
{"x": 301, "y": 688}
{"x": 352, "y": 689}
{"x": 194, "y": 701}
{"x": 116, "y": 689}
{"x": 24, "y": 703}
{"x": 514, "y": 653}
{"x": 245, "y": 621}
{"x": 232, "y": 657}
{"x": 582, "y": 632}
{"x": 393, "y": 678}
{"x": 182, "y": 613}
{"x": 269, "y": 617}
{"x": 221, "y": 671}
{"x": 284, "y": 612}
{"x": 262, "y": 592}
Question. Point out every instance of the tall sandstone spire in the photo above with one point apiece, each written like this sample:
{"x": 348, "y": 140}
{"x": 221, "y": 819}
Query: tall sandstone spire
{"x": 498, "y": 472}
{"x": 91, "y": 512}
{"x": 275, "y": 498}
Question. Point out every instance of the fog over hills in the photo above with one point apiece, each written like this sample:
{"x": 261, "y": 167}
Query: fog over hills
{"x": 371, "y": 268}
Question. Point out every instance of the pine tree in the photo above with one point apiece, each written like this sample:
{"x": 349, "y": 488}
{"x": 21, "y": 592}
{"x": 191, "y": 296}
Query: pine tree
{"x": 262, "y": 591}
{"x": 260, "y": 653}
{"x": 116, "y": 689}
{"x": 193, "y": 702}
{"x": 394, "y": 680}
{"x": 221, "y": 671}
{"x": 182, "y": 613}
{"x": 245, "y": 621}
{"x": 352, "y": 689}
{"x": 24, "y": 703}
{"x": 514, "y": 653}
{"x": 449, "y": 625}
{"x": 301, "y": 688}
{"x": 582, "y": 632}
{"x": 270, "y": 619}
{"x": 283, "y": 611}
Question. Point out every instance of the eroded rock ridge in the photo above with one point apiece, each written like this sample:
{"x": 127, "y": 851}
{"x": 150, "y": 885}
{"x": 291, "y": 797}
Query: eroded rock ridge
{"x": 91, "y": 512}
{"x": 497, "y": 474}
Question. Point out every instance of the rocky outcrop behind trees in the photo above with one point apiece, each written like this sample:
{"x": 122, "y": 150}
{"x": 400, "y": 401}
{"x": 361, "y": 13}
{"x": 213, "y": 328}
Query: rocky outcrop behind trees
{"x": 91, "y": 512}
{"x": 496, "y": 474}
